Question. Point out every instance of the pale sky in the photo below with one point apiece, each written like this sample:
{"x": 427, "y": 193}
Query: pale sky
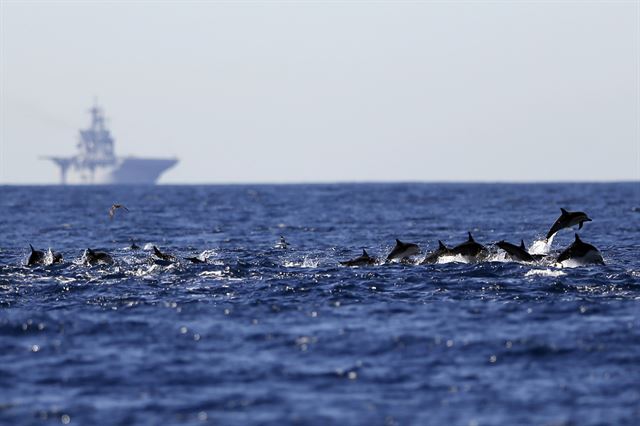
{"x": 328, "y": 91}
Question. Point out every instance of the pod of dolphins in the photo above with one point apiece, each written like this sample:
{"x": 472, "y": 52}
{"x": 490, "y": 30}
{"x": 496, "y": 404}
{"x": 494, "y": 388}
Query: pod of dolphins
{"x": 578, "y": 253}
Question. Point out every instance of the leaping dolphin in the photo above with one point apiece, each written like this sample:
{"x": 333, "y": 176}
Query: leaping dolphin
{"x": 433, "y": 257}
{"x": 403, "y": 251}
{"x": 469, "y": 248}
{"x": 37, "y": 257}
{"x": 516, "y": 252}
{"x": 566, "y": 220}
{"x": 581, "y": 253}
{"x": 361, "y": 260}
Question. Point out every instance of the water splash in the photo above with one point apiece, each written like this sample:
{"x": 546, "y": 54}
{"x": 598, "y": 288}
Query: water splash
{"x": 544, "y": 273}
{"x": 541, "y": 246}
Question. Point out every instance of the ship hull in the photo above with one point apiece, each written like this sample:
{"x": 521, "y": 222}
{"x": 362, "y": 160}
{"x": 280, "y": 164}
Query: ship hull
{"x": 128, "y": 171}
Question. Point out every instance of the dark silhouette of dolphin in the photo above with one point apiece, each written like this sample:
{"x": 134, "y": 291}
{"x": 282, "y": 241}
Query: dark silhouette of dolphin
{"x": 469, "y": 248}
{"x": 195, "y": 259}
{"x": 516, "y": 252}
{"x": 282, "y": 244}
{"x": 403, "y": 250}
{"x": 162, "y": 255}
{"x": 37, "y": 257}
{"x": 566, "y": 220}
{"x": 433, "y": 257}
{"x": 361, "y": 260}
{"x": 92, "y": 257}
{"x": 581, "y": 252}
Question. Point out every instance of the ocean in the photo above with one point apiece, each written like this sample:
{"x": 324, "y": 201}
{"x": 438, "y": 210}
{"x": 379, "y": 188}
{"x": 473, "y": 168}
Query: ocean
{"x": 261, "y": 334}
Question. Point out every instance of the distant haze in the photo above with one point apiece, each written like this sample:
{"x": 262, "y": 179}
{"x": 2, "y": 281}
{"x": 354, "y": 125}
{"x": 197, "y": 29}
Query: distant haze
{"x": 328, "y": 91}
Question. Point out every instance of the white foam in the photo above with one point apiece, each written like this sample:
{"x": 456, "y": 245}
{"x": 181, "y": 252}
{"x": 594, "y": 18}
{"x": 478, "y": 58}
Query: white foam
{"x": 544, "y": 273}
{"x": 458, "y": 258}
{"x": 306, "y": 263}
{"x": 541, "y": 246}
{"x": 212, "y": 274}
{"x": 205, "y": 255}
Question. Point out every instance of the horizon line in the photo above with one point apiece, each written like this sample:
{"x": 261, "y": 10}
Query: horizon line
{"x": 346, "y": 182}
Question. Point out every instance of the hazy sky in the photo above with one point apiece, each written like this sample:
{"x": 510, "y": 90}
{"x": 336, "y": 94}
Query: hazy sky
{"x": 328, "y": 91}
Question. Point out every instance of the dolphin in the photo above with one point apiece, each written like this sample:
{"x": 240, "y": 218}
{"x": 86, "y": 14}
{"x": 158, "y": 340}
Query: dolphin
{"x": 54, "y": 256}
{"x": 567, "y": 220}
{"x": 516, "y": 252}
{"x": 195, "y": 259}
{"x": 92, "y": 257}
{"x": 469, "y": 248}
{"x": 162, "y": 255}
{"x": 581, "y": 253}
{"x": 362, "y": 260}
{"x": 282, "y": 244}
{"x": 403, "y": 251}
{"x": 433, "y": 257}
{"x": 37, "y": 257}
{"x": 133, "y": 245}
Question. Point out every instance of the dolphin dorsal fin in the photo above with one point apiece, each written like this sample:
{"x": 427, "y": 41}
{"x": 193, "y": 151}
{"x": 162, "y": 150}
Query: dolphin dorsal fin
{"x": 32, "y": 249}
{"x": 522, "y": 244}
{"x": 470, "y": 237}
{"x": 364, "y": 253}
{"x": 398, "y": 242}
{"x": 563, "y": 211}
{"x": 441, "y": 245}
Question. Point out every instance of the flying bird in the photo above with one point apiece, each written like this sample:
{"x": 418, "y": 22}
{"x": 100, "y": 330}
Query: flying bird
{"x": 112, "y": 210}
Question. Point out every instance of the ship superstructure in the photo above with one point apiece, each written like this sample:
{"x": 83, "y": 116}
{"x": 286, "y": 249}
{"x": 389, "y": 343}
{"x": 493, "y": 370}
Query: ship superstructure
{"x": 96, "y": 162}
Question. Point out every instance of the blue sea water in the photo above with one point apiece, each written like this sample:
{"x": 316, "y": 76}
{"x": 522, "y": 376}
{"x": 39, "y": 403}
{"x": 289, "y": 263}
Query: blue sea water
{"x": 263, "y": 335}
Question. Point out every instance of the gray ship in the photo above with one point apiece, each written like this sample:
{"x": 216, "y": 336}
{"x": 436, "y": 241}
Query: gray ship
{"x": 96, "y": 162}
